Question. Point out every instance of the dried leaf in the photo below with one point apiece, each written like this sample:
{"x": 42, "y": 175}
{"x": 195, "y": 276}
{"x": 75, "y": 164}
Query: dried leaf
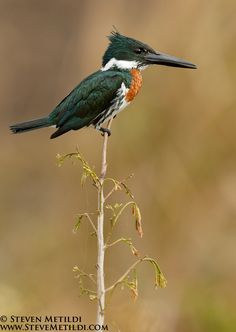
{"x": 132, "y": 285}
{"x": 60, "y": 160}
{"x": 160, "y": 280}
{"x": 138, "y": 219}
{"x": 134, "y": 251}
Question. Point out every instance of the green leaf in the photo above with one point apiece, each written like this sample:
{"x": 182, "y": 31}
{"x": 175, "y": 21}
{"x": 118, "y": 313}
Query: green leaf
{"x": 127, "y": 190}
{"x": 87, "y": 170}
{"x": 160, "y": 280}
{"x": 78, "y": 222}
{"x": 117, "y": 206}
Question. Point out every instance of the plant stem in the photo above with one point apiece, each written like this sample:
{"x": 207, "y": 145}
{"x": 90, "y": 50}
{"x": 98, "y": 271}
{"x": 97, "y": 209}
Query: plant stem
{"x": 100, "y": 235}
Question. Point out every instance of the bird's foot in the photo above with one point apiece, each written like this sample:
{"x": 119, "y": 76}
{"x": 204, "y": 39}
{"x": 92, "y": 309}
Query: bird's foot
{"x": 105, "y": 130}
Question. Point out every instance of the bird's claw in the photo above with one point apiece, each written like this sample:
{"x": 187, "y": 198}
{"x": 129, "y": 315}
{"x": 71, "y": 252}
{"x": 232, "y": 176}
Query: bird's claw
{"x": 105, "y": 130}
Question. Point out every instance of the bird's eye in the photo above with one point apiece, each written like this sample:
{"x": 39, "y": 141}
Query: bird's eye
{"x": 140, "y": 50}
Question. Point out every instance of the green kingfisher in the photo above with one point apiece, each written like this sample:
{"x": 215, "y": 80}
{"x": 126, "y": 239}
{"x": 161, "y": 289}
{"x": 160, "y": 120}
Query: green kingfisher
{"x": 105, "y": 93}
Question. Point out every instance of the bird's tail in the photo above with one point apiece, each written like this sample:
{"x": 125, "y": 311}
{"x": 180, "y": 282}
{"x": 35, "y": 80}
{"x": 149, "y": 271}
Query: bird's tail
{"x": 30, "y": 125}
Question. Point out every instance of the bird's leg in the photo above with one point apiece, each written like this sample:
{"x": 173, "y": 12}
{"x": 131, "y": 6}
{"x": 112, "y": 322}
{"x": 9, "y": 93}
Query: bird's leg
{"x": 105, "y": 130}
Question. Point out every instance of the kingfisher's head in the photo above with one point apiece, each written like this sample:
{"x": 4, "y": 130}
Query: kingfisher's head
{"x": 126, "y": 53}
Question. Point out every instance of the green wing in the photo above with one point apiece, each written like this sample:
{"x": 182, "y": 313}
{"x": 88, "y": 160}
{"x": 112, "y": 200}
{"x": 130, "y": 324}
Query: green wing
{"x": 91, "y": 97}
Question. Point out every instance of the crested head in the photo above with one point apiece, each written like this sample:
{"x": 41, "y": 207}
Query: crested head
{"x": 125, "y": 52}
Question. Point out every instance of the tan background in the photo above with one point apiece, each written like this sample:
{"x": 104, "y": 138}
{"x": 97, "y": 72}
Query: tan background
{"x": 178, "y": 138}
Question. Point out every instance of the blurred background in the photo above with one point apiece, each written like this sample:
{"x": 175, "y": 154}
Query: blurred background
{"x": 178, "y": 137}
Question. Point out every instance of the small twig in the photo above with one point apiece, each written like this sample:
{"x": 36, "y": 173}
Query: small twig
{"x": 121, "y": 211}
{"x": 159, "y": 278}
{"x": 126, "y": 241}
{"x": 121, "y": 279}
{"x": 116, "y": 218}
{"x": 108, "y": 245}
{"x": 81, "y": 274}
{"x": 118, "y": 186}
{"x": 92, "y": 294}
{"x": 91, "y": 222}
{"x": 110, "y": 193}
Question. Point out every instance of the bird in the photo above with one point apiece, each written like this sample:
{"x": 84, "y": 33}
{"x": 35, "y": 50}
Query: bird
{"x": 105, "y": 93}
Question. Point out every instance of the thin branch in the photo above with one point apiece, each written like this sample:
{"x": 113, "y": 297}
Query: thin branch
{"x": 100, "y": 234}
{"x": 104, "y": 154}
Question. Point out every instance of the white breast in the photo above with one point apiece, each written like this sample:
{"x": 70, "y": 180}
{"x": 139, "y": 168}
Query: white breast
{"x": 119, "y": 103}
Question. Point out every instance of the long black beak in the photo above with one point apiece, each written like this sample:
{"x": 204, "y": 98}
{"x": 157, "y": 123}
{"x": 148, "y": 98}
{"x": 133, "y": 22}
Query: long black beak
{"x": 168, "y": 60}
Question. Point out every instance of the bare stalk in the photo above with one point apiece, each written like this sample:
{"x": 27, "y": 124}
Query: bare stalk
{"x": 100, "y": 235}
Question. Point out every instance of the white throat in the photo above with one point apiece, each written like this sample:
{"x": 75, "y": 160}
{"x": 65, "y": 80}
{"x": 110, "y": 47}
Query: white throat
{"x": 121, "y": 64}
